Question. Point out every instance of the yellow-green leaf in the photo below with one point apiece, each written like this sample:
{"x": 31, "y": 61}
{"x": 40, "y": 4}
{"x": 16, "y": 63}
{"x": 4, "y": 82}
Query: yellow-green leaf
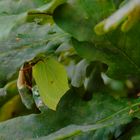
{"x": 11, "y": 108}
{"x": 51, "y": 79}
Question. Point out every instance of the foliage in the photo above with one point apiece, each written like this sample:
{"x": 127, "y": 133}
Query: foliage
{"x": 69, "y": 69}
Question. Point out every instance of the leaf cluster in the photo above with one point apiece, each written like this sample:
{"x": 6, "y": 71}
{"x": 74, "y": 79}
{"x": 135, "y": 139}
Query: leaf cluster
{"x": 69, "y": 69}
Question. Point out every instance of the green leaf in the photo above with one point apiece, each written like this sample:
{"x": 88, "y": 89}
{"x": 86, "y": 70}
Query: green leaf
{"x": 112, "y": 55}
{"x": 25, "y": 43}
{"x": 70, "y": 131}
{"x": 131, "y": 130}
{"x": 21, "y": 41}
{"x": 102, "y": 111}
{"x": 78, "y": 17}
{"x": 119, "y": 50}
{"x": 129, "y": 14}
{"x": 9, "y": 91}
{"x": 51, "y": 79}
{"x": 136, "y": 137}
{"x": 17, "y": 7}
{"x": 9, "y": 22}
{"x": 17, "y": 15}
{"x": 12, "y": 14}
{"x": 12, "y": 108}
